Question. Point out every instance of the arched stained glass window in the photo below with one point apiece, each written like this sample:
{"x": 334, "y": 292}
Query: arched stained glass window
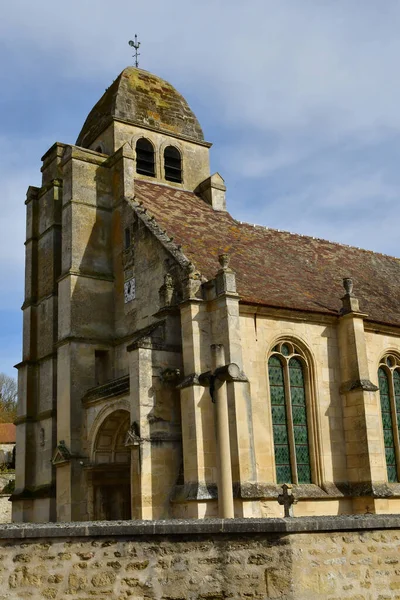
{"x": 389, "y": 393}
{"x": 145, "y": 161}
{"x": 286, "y": 368}
{"x": 173, "y": 164}
{"x": 279, "y": 420}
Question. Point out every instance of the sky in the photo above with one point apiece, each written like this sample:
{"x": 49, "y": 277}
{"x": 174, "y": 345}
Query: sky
{"x": 301, "y": 100}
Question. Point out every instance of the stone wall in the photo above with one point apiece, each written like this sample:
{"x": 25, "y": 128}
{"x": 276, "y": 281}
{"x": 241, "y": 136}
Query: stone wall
{"x": 354, "y": 558}
{"x": 5, "y": 508}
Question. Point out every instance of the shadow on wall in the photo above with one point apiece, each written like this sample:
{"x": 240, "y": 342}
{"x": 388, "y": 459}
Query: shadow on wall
{"x": 335, "y": 418}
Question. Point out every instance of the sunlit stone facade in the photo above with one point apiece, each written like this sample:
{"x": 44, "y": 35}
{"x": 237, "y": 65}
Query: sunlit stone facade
{"x": 178, "y": 363}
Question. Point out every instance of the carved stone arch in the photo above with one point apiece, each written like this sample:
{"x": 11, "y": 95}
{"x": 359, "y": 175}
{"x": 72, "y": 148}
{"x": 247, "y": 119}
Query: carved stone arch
{"x": 175, "y": 143}
{"x": 303, "y": 352}
{"x": 297, "y": 341}
{"x": 109, "y": 443}
{"x": 109, "y": 482}
{"x": 122, "y": 404}
{"x": 143, "y": 134}
{"x": 389, "y": 352}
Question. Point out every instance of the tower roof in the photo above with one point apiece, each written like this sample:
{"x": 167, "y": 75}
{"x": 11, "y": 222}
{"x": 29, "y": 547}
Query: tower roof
{"x": 143, "y": 99}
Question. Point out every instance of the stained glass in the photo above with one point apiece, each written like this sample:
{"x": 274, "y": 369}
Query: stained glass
{"x": 275, "y": 371}
{"x": 304, "y": 473}
{"x": 390, "y": 456}
{"x": 387, "y": 423}
{"x": 280, "y": 434}
{"x": 294, "y": 439}
{"x": 277, "y": 395}
{"x": 388, "y": 435}
{"x": 385, "y": 403}
{"x": 283, "y": 474}
{"x": 396, "y": 382}
{"x": 298, "y": 396}
{"x": 383, "y": 382}
{"x": 300, "y": 435}
{"x": 386, "y": 420}
{"x": 296, "y": 373}
{"x": 279, "y": 421}
{"x": 278, "y": 414}
{"x": 392, "y": 474}
{"x": 302, "y": 454}
{"x": 282, "y": 456}
{"x": 299, "y": 416}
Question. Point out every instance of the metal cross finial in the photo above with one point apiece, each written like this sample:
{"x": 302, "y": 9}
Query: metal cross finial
{"x": 135, "y": 44}
{"x": 287, "y": 499}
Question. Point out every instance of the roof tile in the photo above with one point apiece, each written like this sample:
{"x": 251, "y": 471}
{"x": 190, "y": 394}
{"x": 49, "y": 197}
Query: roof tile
{"x": 275, "y": 268}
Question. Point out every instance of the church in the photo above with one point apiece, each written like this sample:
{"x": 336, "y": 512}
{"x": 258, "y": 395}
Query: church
{"x": 178, "y": 363}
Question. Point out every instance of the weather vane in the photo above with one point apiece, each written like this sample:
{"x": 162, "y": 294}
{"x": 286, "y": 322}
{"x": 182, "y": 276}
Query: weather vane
{"x": 135, "y": 44}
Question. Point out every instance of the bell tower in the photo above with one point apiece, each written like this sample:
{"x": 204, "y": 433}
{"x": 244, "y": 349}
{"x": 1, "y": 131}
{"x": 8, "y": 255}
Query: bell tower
{"x": 80, "y": 309}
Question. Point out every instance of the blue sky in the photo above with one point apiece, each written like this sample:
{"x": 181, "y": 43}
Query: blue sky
{"x": 300, "y": 98}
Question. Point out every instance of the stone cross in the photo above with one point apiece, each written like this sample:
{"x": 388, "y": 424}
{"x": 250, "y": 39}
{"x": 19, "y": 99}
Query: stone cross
{"x": 135, "y": 44}
{"x": 287, "y": 500}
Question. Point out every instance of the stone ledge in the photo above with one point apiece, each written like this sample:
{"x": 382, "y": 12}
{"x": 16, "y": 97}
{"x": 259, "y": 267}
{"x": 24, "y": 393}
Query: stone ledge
{"x": 249, "y": 490}
{"x": 111, "y": 389}
{"x": 358, "y": 384}
{"x": 190, "y": 527}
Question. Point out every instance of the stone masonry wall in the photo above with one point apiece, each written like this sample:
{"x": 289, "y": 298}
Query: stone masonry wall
{"x": 353, "y": 558}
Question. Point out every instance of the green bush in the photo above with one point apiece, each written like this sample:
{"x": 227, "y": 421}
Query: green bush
{"x": 9, "y": 487}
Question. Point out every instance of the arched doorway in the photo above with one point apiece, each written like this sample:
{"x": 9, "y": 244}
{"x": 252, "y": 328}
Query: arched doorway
{"x": 111, "y": 469}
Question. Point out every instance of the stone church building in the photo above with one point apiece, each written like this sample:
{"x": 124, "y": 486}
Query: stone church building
{"x": 179, "y": 363}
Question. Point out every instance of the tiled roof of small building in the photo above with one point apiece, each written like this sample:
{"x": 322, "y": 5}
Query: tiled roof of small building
{"x": 143, "y": 99}
{"x": 7, "y": 433}
{"x": 275, "y": 268}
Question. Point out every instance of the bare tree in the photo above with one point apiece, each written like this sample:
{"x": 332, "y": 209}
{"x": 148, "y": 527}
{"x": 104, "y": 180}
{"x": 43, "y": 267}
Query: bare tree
{"x": 8, "y": 398}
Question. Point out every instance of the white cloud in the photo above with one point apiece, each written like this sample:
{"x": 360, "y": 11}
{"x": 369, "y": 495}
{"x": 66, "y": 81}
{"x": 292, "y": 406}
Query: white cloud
{"x": 16, "y": 174}
{"x": 302, "y": 97}
{"x": 272, "y": 65}
{"x": 354, "y": 209}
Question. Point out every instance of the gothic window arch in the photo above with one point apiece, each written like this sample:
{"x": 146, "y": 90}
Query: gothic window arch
{"x": 172, "y": 164}
{"x": 288, "y": 371}
{"x": 145, "y": 157}
{"x": 389, "y": 393}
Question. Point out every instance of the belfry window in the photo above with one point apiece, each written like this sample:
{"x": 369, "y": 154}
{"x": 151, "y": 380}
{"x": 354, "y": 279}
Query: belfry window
{"x": 173, "y": 164}
{"x": 389, "y": 392}
{"x": 288, "y": 372}
{"x": 145, "y": 161}
{"x": 128, "y": 237}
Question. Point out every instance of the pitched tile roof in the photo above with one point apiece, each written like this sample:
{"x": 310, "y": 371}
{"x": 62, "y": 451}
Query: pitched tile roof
{"x": 7, "y": 433}
{"x": 275, "y": 268}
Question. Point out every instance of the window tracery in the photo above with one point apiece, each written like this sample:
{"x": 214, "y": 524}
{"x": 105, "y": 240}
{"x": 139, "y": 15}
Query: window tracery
{"x": 288, "y": 370}
{"x": 389, "y": 393}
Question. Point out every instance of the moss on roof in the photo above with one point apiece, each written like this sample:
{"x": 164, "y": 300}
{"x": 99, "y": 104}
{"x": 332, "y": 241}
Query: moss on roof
{"x": 143, "y": 99}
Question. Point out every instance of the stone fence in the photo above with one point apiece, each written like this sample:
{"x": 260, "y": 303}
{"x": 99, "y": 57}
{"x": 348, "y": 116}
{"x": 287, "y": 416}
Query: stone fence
{"x": 330, "y": 558}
